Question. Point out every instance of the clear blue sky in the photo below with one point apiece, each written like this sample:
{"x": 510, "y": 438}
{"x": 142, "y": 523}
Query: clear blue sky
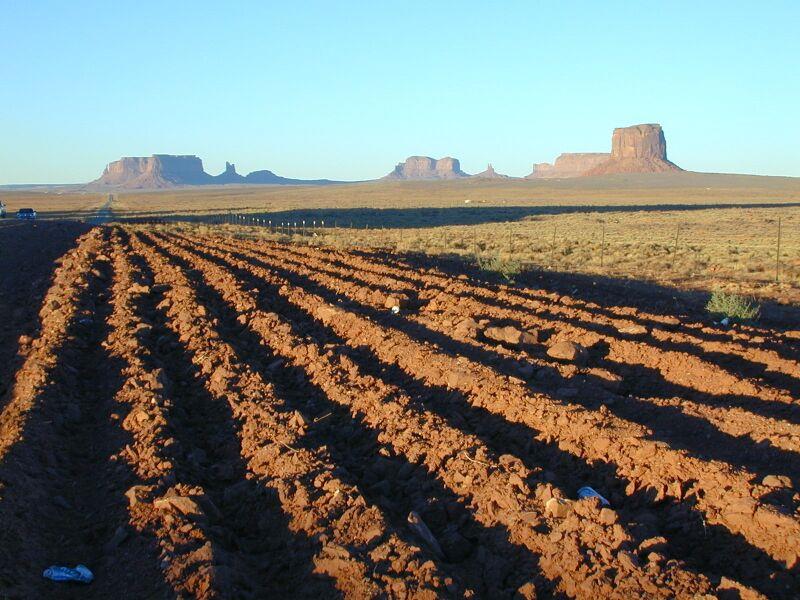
{"x": 346, "y": 90}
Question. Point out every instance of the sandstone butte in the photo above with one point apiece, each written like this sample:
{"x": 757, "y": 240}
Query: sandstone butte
{"x": 637, "y": 149}
{"x": 634, "y": 149}
{"x": 569, "y": 164}
{"x": 425, "y": 167}
{"x": 166, "y": 170}
{"x": 490, "y": 173}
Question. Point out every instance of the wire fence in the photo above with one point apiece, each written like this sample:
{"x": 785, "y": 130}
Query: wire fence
{"x": 761, "y": 250}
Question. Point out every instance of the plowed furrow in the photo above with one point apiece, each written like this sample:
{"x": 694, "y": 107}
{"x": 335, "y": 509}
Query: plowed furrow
{"x": 680, "y": 480}
{"x": 226, "y": 527}
{"x": 614, "y": 303}
{"x": 57, "y": 315}
{"x": 187, "y": 551}
{"x": 496, "y": 486}
{"x": 703, "y": 429}
{"x": 351, "y": 443}
{"x": 25, "y": 277}
{"x": 64, "y": 500}
{"x": 726, "y": 351}
{"x": 730, "y": 410}
{"x": 353, "y": 545}
{"x": 659, "y": 372}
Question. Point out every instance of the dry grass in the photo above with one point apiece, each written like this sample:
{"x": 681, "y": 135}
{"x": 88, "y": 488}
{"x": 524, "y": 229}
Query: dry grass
{"x": 691, "y": 230}
{"x": 730, "y": 249}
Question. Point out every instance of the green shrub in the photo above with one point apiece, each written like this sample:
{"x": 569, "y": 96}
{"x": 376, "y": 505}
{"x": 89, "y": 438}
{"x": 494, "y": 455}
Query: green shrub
{"x": 733, "y": 306}
{"x": 507, "y": 268}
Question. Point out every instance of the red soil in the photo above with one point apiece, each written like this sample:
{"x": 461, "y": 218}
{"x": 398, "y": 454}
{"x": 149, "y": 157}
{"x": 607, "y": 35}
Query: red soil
{"x": 218, "y": 418}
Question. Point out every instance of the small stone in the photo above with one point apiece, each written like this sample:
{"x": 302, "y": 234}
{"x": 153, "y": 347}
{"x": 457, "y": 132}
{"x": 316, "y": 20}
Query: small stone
{"x": 137, "y": 288}
{"x": 633, "y": 329}
{"x": 608, "y": 516}
{"x": 133, "y": 494}
{"x": 182, "y": 504}
{"x": 397, "y": 300}
{"x": 511, "y": 335}
{"x": 777, "y": 481}
{"x": 627, "y": 560}
{"x": 568, "y": 351}
{"x": 607, "y": 379}
{"x": 326, "y": 314}
{"x": 558, "y": 507}
{"x": 527, "y": 591}
{"x": 468, "y": 328}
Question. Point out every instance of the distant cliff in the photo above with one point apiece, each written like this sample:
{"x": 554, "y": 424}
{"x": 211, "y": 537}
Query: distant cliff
{"x": 637, "y": 149}
{"x": 490, "y": 173}
{"x": 568, "y": 165}
{"x": 425, "y": 167}
{"x": 166, "y": 170}
{"x": 157, "y": 171}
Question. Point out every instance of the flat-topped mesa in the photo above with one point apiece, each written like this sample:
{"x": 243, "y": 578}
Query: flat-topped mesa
{"x": 425, "y": 167}
{"x": 165, "y": 171}
{"x": 156, "y": 171}
{"x": 490, "y": 173}
{"x": 569, "y": 164}
{"x": 637, "y": 149}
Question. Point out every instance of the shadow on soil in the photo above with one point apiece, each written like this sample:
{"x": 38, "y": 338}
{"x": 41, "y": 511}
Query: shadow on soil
{"x": 28, "y": 254}
{"x": 248, "y": 525}
{"x": 421, "y": 217}
{"x": 387, "y": 480}
{"x": 65, "y": 498}
{"x": 691, "y": 539}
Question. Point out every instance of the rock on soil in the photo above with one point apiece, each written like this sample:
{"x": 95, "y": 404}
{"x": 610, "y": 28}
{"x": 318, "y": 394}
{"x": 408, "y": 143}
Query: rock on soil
{"x": 512, "y": 335}
{"x": 569, "y": 351}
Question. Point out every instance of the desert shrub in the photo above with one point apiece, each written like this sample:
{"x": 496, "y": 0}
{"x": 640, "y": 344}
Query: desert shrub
{"x": 733, "y": 306}
{"x": 507, "y": 268}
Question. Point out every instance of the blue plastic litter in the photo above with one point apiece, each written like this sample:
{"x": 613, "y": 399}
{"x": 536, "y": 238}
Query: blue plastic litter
{"x": 588, "y": 492}
{"x": 80, "y": 573}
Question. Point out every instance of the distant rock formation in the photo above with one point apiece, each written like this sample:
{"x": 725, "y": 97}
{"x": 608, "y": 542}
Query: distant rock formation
{"x": 490, "y": 173}
{"x": 165, "y": 171}
{"x": 636, "y": 149}
{"x": 573, "y": 164}
{"x": 157, "y": 171}
{"x": 229, "y": 175}
{"x": 425, "y": 167}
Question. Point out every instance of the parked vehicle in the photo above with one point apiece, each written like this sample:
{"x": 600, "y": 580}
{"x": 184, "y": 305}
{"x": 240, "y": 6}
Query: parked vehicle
{"x": 26, "y": 213}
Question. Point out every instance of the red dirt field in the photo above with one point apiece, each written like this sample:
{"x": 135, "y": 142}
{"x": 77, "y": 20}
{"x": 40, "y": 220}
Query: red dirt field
{"x": 216, "y": 418}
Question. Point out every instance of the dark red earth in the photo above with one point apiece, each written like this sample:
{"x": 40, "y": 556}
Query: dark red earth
{"x": 212, "y": 418}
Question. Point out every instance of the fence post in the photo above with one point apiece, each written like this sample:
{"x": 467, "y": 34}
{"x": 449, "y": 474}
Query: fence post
{"x": 603, "y": 245}
{"x": 675, "y": 247}
{"x": 778, "y": 254}
{"x": 553, "y": 247}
